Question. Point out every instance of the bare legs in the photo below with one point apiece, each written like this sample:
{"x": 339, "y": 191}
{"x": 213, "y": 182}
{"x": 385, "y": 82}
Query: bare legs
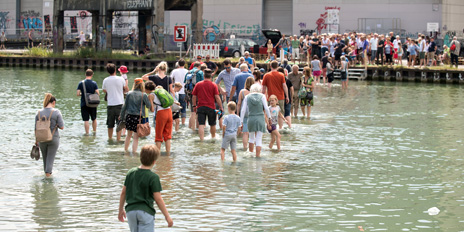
{"x": 135, "y": 143}
{"x": 110, "y": 134}
{"x": 87, "y": 126}
{"x": 275, "y": 137}
{"x": 167, "y": 144}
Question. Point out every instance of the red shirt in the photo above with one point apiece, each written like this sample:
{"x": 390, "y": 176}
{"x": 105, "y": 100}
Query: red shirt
{"x": 191, "y": 66}
{"x": 206, "y": 91}
{"x": 273, "y": 82}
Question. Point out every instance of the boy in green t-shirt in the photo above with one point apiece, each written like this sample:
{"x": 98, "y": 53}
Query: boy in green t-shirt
{"x": 141, "y": 188}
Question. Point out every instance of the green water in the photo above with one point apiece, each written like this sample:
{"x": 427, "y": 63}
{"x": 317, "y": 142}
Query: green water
{"x": 377, "y": 156}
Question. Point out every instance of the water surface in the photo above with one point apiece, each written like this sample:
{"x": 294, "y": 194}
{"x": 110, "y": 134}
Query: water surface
{"x": 374, "y": 157}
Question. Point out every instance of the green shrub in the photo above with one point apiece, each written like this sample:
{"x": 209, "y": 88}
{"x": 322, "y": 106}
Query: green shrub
{"x": 38, "y": 52}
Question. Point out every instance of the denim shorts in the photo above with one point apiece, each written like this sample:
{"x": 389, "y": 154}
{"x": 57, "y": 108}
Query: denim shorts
{"x": 140, "y": 221}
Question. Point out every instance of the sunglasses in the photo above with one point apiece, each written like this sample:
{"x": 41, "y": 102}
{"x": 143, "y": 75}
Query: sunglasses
{"x": 227, "y": 67}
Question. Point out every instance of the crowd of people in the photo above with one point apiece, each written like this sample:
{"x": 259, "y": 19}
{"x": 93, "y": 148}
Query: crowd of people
{"x": 367, "y": 49}
{"x": 262, "y": 101}
{"x": 258, "y": 102}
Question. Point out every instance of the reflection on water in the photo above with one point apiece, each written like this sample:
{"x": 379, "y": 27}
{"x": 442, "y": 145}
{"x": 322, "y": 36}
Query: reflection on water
{"x": 47, "y": 212}
{"x": 374, "y": 157}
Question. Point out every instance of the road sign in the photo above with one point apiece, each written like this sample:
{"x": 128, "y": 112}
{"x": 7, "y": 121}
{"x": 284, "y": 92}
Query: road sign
{"x": 180, "y": 33}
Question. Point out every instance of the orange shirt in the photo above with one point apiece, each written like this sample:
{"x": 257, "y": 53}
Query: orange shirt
{"x": 273, "y": 81}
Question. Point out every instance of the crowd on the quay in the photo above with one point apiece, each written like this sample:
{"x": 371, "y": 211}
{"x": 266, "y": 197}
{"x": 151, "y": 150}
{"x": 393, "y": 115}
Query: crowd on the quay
{"x": 367, "y": 49}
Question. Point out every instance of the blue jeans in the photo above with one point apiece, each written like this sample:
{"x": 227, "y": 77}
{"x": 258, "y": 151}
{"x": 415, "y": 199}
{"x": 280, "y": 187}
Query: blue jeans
{"x": 373, "y": 54}
{"x": 140, "y": 221}
{"x": 183, "y": 103}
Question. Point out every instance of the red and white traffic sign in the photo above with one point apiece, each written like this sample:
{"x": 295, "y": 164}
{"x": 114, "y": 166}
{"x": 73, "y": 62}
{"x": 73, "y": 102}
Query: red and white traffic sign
{"x": 180, "y": 33}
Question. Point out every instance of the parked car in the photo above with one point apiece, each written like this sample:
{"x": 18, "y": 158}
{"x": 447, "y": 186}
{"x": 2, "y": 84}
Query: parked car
{"x": 231, "y": 47}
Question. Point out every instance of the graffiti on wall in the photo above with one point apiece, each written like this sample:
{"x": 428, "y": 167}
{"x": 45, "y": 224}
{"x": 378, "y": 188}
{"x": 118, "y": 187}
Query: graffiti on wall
{"x": 4, "y": 20}
{"x": 31, "y": 20}
{"x": 321, "y": 21}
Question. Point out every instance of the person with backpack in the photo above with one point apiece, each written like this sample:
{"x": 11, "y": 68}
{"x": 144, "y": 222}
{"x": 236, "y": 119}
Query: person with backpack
{"x": 191, "y": 79}
{"x": 206, "y": 92}
{"x": 88, "y": 111}
{"x": 455, "y": 48}
{"x": 164, "y": 120}
{"x": 47, "y": 136}
{"x": 133, "y": 110}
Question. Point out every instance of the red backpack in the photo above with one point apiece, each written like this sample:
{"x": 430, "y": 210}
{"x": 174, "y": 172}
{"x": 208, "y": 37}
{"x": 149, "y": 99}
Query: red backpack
{"x": 453, "y": 47}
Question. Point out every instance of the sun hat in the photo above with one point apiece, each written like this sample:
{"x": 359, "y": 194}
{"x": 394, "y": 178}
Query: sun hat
{"x": 123, "y": 69}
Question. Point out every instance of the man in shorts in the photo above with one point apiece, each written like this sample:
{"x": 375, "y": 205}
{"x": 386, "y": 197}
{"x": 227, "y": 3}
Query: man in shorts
{"x": 205, "y": 94}
{"x": 88, "y": 112}
{"x": 274, "y": 84}
{"x": 114, "y": 87}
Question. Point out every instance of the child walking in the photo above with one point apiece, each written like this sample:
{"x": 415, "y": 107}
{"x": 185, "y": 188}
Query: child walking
{"x": 141, "y": 188}
{"x": 230, "y": 127}
{"x": 176, "y": 113}
{"x": 275, "y": 115}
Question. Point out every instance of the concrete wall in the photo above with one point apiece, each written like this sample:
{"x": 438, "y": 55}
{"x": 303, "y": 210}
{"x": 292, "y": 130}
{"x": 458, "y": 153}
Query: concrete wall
{"x": 453, "y": 17}
{"x": 8, "y": 17}
{"x": 413, "y": 14}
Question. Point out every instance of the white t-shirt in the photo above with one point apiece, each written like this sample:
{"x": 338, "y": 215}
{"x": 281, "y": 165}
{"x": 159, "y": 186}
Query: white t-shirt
{"x": 422, "y": 46}
{"x": 374, "y": 43}
{"x": 324, "y": 41}
{"x": 82, "y": 37}
{"x": 178, "y": 75}
{"x": 395, "y": 43}
{"x": 114, "y": 86}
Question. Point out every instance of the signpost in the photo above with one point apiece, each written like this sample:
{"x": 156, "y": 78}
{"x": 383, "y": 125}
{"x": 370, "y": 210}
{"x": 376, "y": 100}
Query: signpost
{"x": 433, "y": 27}
{"x": 180, "y": 36}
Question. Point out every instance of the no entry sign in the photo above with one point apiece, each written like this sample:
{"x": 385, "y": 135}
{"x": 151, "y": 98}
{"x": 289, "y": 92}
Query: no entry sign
{"x": 180, "y": 33}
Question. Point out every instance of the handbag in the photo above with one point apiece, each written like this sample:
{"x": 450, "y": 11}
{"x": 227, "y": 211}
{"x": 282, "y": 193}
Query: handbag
{"x": 142, "y": 129}
{"x": 35, "y": 152}
{"x": 91, "y": 99}
{"x": 309, "y": 95}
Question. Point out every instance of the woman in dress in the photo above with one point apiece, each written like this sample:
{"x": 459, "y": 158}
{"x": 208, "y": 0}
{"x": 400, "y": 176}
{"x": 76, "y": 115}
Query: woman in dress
{"x": 49, "y": 149}
{"x": 255, "y": 105}
{"x": 241, "y": 96}
{"x": 309, "y": 84}
{"x": 136, "y": 100}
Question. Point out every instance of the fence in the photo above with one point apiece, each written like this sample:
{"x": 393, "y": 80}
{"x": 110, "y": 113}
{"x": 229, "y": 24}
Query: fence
{"x": 206, "y": 49}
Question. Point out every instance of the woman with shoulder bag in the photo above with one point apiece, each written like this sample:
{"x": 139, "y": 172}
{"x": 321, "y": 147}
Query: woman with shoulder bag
{"x": 309, "y": 84}
{"x": 49, "y": 148}
{"x": 132, "y": 111}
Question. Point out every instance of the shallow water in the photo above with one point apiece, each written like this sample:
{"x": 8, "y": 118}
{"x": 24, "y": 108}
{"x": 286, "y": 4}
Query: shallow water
{"x": 375, "y": 157}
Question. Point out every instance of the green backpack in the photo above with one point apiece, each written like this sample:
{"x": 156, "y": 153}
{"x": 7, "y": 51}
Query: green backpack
{"x": 165, "y": 98}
